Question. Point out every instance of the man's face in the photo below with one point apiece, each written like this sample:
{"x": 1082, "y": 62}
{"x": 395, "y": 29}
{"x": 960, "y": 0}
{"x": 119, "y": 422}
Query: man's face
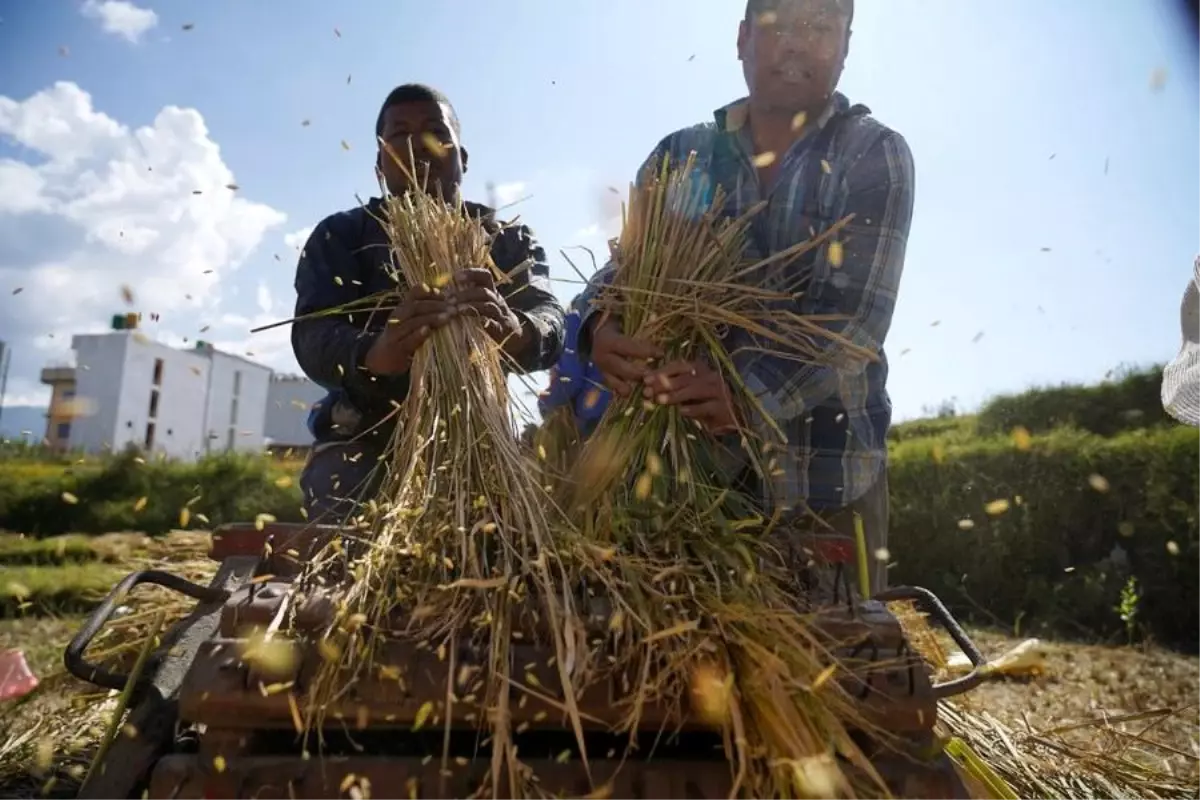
{"x": 437, "y": 166}
{"x": 792, "y": 56}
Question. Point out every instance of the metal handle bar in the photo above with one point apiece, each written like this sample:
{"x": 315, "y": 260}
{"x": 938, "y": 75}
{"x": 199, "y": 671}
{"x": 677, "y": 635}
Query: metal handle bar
{"x": 78, "y": 666}
{"x": 934, "y": 607}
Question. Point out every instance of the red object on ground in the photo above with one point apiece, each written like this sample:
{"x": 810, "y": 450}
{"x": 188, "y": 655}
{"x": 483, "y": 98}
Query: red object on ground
{"x": 15, "y": 678}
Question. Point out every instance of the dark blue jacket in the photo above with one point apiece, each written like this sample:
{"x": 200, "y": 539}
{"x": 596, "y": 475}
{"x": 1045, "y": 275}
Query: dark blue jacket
{"x": 347, "y": 259}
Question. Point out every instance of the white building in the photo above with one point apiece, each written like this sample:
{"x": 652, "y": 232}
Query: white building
{"x": 137, "y": 393}
{"x": 128, "y": 390}
{"x": 236, "y": 402}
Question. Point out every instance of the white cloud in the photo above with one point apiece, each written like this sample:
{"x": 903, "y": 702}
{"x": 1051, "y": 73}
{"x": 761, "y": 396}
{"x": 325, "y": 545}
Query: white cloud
{"x": 103, "y": 205}
{"x": 30, "y": 398}
{"x": 23, "y": 187}
{"x": 297, "y": 239}
{"x": 263, "y": 296}
{"x": 596, "y": 236}
{"x": 120, "y": 17}
{"x": 508, "y": 193}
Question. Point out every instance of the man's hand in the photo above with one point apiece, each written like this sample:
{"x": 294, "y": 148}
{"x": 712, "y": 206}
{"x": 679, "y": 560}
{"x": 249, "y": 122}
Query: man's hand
{"x": 420, "y": 313}
{"x": 699, "y": 391}
{"x": 620, "y": 358}
{"x": 473, "y": 291}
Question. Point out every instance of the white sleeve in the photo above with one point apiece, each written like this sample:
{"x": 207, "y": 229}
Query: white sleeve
{"x": 1181, "y": 378}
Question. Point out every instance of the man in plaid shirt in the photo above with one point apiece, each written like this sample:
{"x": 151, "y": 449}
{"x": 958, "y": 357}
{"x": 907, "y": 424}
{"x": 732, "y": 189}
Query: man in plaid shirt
{"x": 828, "y": 159}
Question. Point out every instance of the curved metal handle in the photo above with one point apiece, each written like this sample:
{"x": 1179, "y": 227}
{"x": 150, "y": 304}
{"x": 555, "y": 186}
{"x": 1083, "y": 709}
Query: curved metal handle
{"x": 78, "y": 666}
{"x": 933, "y": 605}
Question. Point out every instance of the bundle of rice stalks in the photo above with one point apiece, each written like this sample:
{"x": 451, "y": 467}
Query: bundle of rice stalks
{"x": 705, "y": 608}
{"x": 458, "y": 540}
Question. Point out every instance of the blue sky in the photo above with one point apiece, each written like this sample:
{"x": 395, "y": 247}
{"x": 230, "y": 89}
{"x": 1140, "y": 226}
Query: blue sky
{"x": 1055, "y": 144}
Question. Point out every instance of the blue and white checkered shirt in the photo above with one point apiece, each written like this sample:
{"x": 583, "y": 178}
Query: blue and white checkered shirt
{"x": 835, "y": 413}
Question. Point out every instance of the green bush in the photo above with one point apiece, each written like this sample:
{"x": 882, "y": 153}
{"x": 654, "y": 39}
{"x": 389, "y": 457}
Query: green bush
{"x": 957, "y": 427}
{"x": 1059, "y": 557}
{"x": 219, "y": 489}
{"x": 1130, "y": 401}
{"x": 64, "y": 589}
{"x": 20, "y": 550}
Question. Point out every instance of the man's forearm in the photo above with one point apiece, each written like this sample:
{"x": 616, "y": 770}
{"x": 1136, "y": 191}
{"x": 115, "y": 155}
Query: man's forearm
{"x": 537, "y": 346}
{"x": 331, "y": 352}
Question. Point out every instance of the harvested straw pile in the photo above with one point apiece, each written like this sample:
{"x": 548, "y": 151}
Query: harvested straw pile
{"x": 1102, "y": 757}
{"x": 1033, "y": 764}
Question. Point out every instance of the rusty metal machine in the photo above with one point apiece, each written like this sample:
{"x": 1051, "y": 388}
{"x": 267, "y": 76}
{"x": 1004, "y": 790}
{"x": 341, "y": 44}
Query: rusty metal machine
{"x": 203, "y": 724}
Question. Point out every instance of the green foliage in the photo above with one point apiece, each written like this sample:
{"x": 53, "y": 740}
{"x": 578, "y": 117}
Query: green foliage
{"x": 58, "y": 550}
{"x": 1128, "y": 607}
{"x": 1130, "y": 401}
{"x": 1065, "y": 557}
{"x": 1061, "y": 554}
{"x": 63, "y": 589}
{"x": 11, "y": 451}
{"x": 223, "y": 488}
{"x": 958, "y": 428}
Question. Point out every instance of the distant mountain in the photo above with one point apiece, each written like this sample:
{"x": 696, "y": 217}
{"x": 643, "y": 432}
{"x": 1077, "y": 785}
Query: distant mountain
{"x": 23, "y": 422}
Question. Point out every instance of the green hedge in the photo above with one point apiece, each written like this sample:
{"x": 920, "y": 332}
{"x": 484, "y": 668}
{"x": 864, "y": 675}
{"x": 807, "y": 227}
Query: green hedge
{"x": 1051, "y": 560}
{"x": 1045, "y": 564}
{"x": 1130, "y": 401}
{"x": 957, "y": 427}
{"x": 225, "y": 488}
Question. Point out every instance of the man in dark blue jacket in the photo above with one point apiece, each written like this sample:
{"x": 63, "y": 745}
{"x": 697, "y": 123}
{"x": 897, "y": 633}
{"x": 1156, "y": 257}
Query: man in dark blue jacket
{"x": 362, "y": 356}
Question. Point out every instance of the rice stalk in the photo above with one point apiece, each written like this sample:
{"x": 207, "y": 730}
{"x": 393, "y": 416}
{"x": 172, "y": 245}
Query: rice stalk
{"x": 126, "y": 694}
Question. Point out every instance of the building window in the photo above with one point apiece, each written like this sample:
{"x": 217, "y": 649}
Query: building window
{"x": 149, "y": 435}
{"x": 158, "y": 371}
{"x": 63, "y": 431}
{"x": 153, "y": 403}
{"x": 68, "y": 394}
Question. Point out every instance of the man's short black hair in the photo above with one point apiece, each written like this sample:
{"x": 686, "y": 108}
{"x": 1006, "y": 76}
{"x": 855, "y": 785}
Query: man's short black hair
{"x": 756, "y": 7}
{"x": 415, "y": 93}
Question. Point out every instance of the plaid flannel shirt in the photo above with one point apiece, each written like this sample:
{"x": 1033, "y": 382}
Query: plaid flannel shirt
{"x": 835, "y": 412}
